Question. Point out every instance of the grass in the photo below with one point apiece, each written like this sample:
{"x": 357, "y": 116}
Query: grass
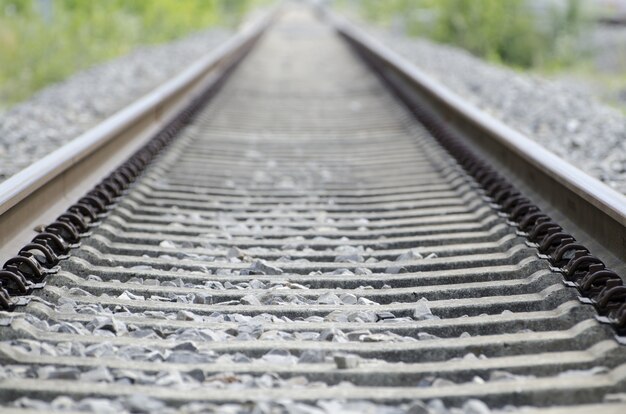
{"x": 549, "y": 41}
{"x": 44, "y": 41}
{"x": 512, "y": 32}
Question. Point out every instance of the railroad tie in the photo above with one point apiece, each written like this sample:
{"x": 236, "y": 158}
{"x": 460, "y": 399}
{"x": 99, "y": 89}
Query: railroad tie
{"x": 303, "y": 242}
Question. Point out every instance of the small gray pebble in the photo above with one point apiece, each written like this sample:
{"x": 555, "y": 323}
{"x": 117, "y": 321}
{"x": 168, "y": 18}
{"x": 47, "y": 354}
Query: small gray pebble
{"x": 346, "y": 361}
{"x": 473, "y": 406}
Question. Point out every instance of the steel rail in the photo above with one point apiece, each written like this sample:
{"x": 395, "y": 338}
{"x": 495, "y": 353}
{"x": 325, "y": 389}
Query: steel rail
{"x": 43, "y": 190}
{"x": 551, "y": 182}
{"x": 302, "y": 228}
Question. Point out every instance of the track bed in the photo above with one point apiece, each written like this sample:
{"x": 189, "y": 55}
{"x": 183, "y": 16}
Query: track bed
{"x": 305, "y": 244}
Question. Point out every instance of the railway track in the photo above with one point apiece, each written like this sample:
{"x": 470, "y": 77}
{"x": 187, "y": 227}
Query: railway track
{"x": 303, "y": 243}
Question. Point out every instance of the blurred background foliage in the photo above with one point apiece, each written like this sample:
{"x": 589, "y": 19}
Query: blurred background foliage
{"x": 520, "y": 33}
{"x": 44, "y": 41}
{"x": 579, "y": 41}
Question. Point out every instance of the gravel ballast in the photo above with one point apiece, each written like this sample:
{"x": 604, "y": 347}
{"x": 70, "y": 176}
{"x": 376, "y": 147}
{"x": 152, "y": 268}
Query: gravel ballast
{"x": 61, "y": 112}
{"x": 563, "y": 116}
{"x": 337, "y": 262}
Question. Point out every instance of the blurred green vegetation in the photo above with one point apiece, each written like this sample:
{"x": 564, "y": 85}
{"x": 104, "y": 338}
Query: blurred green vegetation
{"x": 44, "y": 41}
{"x": 520, "y": 33}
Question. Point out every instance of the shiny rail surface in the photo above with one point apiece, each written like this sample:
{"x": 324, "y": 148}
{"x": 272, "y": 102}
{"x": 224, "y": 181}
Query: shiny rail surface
{"x": 41, "y": 192}
{"x": 305, "y": 245}
{"x": 596, "y": 212}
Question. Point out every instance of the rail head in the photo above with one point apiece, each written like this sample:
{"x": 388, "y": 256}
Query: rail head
{"x": 56, "y": 180}
{"x": 591, "y": 205}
